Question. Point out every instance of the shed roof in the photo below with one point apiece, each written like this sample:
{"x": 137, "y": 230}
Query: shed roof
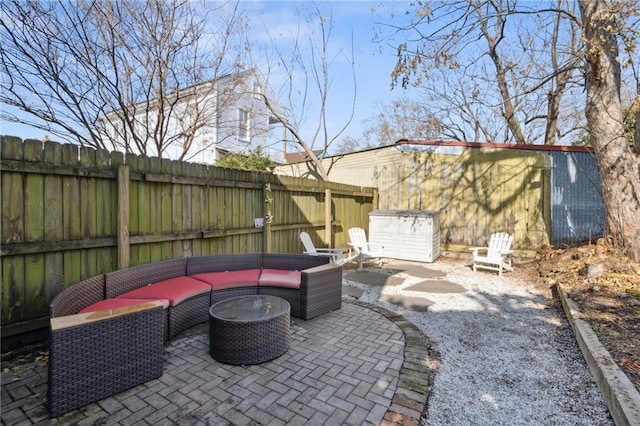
{"x": 566, "y": 148}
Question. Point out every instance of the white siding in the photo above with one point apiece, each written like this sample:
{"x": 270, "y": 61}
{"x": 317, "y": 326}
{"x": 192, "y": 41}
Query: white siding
{"x": 221, "y": 102}
{"x": 228, "y": 125}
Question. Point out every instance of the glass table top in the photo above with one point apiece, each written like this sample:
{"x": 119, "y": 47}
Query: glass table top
{"x": 249, "y": 308}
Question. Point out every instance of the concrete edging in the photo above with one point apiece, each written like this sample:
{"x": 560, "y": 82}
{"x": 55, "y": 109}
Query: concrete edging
{"x": 620, "y": 394}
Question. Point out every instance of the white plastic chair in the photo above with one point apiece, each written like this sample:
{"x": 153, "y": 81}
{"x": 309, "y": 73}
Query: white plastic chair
{"x": 364, "y": 251}
{"x": 335, "y": 254}
{"x": 498, "y": 254}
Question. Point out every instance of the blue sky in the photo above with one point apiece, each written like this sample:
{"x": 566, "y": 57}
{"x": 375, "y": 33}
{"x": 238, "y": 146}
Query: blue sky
{"x": 273, "y": 24}
{"x": 279, "y": 21}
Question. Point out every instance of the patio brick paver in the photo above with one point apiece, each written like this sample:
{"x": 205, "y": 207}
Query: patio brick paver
{"x": 358, "y": 365}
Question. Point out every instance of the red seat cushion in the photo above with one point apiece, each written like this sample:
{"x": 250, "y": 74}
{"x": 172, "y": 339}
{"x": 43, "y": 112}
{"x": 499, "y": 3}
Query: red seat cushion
{"x": 229, "y": 279}
{"x": 280, "y": 278}
{"x": 175, "y": 290}
{"x": 108, "y": 304}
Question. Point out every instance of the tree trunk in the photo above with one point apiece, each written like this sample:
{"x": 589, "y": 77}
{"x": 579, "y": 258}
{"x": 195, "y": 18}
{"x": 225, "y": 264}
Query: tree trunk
{"x": 636, "y": 132}
{"x": 619, "y": 165}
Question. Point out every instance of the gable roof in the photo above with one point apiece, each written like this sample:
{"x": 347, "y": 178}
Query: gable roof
{"x": 210, "y": 86}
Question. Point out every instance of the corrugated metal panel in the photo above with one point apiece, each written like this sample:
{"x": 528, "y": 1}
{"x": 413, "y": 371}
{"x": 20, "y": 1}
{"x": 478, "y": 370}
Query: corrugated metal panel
{"x": 577, "y": 207}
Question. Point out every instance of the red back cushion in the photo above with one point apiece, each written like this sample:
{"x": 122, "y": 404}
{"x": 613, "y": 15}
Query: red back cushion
{"x": 230, "y": 279}
{"x": 175, "y": 290}
{"x": 280, "y": 278}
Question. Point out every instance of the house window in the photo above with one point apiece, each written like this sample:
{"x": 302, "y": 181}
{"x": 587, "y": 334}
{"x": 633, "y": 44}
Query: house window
{"x": 257, "y": 90}
{"x": 243, "y": 124}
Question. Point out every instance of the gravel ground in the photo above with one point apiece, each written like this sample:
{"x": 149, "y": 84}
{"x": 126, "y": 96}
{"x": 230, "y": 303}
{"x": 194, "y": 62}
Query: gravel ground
{"x": 508, "y": 355}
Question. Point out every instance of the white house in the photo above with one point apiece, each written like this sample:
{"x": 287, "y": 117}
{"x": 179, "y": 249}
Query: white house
{"x": 203, "y": 122}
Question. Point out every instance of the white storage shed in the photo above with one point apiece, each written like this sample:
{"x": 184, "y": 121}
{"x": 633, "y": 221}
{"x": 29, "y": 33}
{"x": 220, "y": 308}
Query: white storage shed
{"x": 406, "y": 234}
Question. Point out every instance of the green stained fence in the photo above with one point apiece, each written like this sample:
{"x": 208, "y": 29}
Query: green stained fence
{"x": 69, "y": 213}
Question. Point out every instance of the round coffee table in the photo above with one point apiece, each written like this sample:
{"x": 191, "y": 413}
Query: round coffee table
{"x": 249, "y": 329}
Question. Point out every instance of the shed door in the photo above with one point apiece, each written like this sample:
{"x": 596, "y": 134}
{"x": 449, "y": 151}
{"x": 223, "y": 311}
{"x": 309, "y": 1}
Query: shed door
{"x": 415, "y": 234}
{"x": 383, "y": 231}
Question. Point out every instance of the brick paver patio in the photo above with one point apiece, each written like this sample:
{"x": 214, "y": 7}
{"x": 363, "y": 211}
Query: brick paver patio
{"x": 359, "y": 365}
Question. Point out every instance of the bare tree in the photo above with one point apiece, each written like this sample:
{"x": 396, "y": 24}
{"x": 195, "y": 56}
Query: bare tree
{"x": 401, "y": 118}
{"x": 604, "y": 24}
{"x": 466, "y": 108}
{"x": 477, "y": 61}
{"x": 129, "y": 75}
{"x": 618, "y": 161}
{"x": 308, "y": 78}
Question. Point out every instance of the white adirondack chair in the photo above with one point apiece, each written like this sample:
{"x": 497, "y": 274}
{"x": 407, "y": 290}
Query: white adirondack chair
{"x": 364, "y": 251}
{"x": 498, "y": 254}
{"x": 335, "y": 254}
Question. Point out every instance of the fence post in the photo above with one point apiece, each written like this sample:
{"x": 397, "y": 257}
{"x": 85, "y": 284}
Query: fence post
{"x": 375, "y": 201}
{"x": 328, "y": 219}
{"x": 268, "y": 216}
{"x": 123, "y": 217}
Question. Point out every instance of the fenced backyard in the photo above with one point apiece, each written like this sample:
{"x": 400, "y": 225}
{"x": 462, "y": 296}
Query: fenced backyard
{"x": 69, "y": 213}
{"x": 543, "y": 195}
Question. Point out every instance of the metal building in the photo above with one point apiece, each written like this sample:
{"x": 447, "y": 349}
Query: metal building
{"x": 543, "y": 195}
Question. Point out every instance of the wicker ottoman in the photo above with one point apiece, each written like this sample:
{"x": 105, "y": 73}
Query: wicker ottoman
{"x": 249, "y": 329}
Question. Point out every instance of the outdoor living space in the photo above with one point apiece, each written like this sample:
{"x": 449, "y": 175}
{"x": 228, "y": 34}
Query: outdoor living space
{"x": 416, "y": 213}
{"x": 349, "y": 366}
{"x": 497, "y": 344}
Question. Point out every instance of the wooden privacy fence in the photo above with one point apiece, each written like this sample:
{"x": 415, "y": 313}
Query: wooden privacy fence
{"x": 69, "y": 213}
{"x": 542, "y": 194}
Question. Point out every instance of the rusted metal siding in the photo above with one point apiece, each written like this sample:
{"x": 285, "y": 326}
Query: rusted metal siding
{"x": 577, "y": 207}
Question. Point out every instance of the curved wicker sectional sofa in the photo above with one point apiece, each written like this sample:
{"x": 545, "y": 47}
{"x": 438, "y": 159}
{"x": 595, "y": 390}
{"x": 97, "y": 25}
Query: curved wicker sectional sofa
{"x": 108, "y": 332}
